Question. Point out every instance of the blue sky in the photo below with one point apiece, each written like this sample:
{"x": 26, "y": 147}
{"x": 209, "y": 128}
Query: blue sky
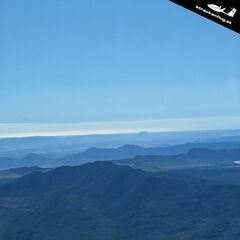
{"x": 72, "y": 61}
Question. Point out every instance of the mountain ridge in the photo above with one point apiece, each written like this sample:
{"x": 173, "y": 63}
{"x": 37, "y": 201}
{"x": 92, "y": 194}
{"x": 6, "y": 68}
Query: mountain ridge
{"x": 108, "y": 154}
{"x": 104, "y": 201}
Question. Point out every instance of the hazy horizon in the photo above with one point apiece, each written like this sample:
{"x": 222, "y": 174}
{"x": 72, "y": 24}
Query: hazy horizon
{"x": 114, "y": 62}
{"x": 115, "y": 127}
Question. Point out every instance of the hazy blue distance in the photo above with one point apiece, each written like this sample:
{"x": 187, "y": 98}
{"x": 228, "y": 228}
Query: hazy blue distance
{"x": 89, "y": 61}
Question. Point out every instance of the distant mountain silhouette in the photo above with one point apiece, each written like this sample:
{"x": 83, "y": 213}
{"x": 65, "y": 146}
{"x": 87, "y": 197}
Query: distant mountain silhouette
{"x": 99, "y": 201}
{"x": 196, "y": 157}
{"x": 130, "y": 151}
{"x": 35, "y": 159}
{"x": 106, "y": 154}
{"x": 103, "y": 154}
{"x": 56, "y": 147}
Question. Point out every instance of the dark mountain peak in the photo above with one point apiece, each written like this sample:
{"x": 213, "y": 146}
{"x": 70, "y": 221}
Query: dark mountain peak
{"x": 98, "y": 176}
{"x": 101, "y": 200}
{"x": 86, "y": 166}
{"x": 91, "y": 149}
{"x": 34, "y": 156}
{"x": 143, "y": 133}
{"x": 130, "y": 146}
{"x": 89, "y": 152}
{"x": 103, "y": 154}
{"x": 123, "y": 147}
{"x": 91, "y": 169}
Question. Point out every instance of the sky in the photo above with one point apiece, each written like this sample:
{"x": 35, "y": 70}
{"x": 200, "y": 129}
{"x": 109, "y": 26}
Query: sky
{"x": 92, "y": 62}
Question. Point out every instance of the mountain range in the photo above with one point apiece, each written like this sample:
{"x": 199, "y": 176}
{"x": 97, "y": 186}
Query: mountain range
{"x": 103, "y": 154}
{"x": 60, "y": 146}
{"x": 103, "y": 201}
{"x": 194, "y": 158}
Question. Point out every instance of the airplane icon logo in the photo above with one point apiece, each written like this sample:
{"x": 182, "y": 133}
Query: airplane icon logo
{"x": 217, "y": 8}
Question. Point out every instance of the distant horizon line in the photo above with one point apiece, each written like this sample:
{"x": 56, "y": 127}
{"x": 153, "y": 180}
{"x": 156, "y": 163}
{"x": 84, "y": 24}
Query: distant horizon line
{"x": 21, "y": 130}
{"x": 118, "y": 133}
